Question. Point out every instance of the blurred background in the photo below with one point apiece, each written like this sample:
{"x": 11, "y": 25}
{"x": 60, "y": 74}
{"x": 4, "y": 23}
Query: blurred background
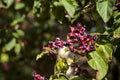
{"x": 26, "y": 25}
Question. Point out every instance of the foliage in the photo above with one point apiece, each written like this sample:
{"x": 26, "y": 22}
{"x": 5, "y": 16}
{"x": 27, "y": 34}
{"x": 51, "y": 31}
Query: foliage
{"x": 26, "y": 25}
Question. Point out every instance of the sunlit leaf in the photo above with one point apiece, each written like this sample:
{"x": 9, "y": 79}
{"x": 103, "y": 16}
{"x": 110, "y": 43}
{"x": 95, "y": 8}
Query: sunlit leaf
{"x": 99, "y": 59}
{"x": 8, "y": 2}
{"x": 58, "y": 77}
{"x": 19, "y": 5}
{"x": 104, "y": 8}
{"x": 116, "y": 33}
{"x": 70, "y": 6}
{"x": 97, "y": 62}
{"x": 41, "y": 55}
{"x": 10, "y": 45}
{"x": 79, "y": 78}
{"x": 4, "y": 57}
{"x": 61, "y": 65}
{"x": 17, "y": 48}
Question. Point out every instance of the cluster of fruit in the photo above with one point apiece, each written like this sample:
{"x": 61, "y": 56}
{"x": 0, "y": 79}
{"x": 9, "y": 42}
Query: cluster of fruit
{"x": 38, "y": 77}
{"x": 78, "y": 40}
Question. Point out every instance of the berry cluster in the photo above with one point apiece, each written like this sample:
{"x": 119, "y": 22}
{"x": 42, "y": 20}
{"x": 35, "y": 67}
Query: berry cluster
{"x": 77, "y": 36}
{"x": 38, "y": 77}
{"x": 77, "y": 40}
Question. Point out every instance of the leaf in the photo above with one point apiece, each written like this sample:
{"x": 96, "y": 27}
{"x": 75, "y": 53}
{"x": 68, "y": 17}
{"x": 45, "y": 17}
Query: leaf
{"x": 9, "y": 46}
{"x": 70, "y": 6}
{"x": 4, "y": 57}
{"x": 17, "y": 48}
{"x": 41, "y": 55}
{"x": 79, "y": 78}
{"x": 107, "y": 50}
{"x": 97, "y": 62}
{"x": 18, "y": 18}
{"x": 61, "y": 65}
{"x": 8, "y": 2}
{"x": 19, "y": 5}
{"x": 63, "y": 78}
{"x": 18, "y": 33}
{"x": 58, "y": 77}
{"x": 36, "y": 7}
{"x": 116, "y": 33}
{"x": 104, "y": 8}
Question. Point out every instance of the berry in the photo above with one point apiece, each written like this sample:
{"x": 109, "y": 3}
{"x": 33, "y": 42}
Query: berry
{"x": 84, "y": 26}
{"x": 116, "y": 4}
{"x": 81, "y": 33}
{"x": 43, "y": 78}
{"x": 84, "y": 47}
{"x": 76, "y": 31}
{"x": 79, "y": 25}
{"x": 91, "y": 46}
{"x": 66, "y": 44}
{"x": 88, "y": 35}
{"x": 94, "y": 38}
{"x": 50, "y": 42}
{"x": 56, "y": 47}
{"x": 32, "y": 75}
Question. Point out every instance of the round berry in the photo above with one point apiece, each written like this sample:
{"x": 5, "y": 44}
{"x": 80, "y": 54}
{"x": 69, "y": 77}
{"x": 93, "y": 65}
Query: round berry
{"x": 56, "y": 47}
{"x": 91, "y": 46}
{"x": 66, "y": 44}
{"x": 32, "y": 75}
{"x": 79, "y": 25}
{"x": 84, "y": 26}
{"x": 84, "y": 47}
{"x": 94, "y": 38}
{"x": 88, "y": 35}
{"x": 76, "y": 31}
{"x": 116, "y": 4}
{"x": 43, "y": 78}
{"x": 50, "y": 42}
{"x": 81, "y": 33}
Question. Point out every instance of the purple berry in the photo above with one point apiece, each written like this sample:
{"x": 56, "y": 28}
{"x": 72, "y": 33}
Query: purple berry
{"x": 43, "y": 78}
{"x": 50, "y": 42}
{"x": 66, "y": 44}
{"x": 32, "y": 75}
{"x": 81, "y": 33}
{"x": 84, "y": 47}
{"x": 94, "y": 38}
{"x": 91, "y": 46}
{"x": 76, "y": 31}
{"x": 79, "y": 25}
{"x": 116, "y": 4}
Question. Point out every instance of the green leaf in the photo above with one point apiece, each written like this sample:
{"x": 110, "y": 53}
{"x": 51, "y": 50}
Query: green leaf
{"x": 18, "y": 33}
{"x": 19, "y": 5}
{"x": 17, "y": 48}
{"x": 79, "y": 78}
{"x": 8, "y": 2}
{"x": 58, "y": 77}
{"x": 63, "y": 78}
{"x": 18, "y": 18}
{"x": 4, "y": 57}
{"x": 104, "y": 8}
{"x": 70, "y": 6}
{"x": 97, "y": 62}
{"x": 36, "y": 7}
{"x": 107, "y": 51}
{"x": 61, "y": 65}
{"x": 116, "y": 33}
{"x": 9, "y": 46}
{"x": 41, "y": 55}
